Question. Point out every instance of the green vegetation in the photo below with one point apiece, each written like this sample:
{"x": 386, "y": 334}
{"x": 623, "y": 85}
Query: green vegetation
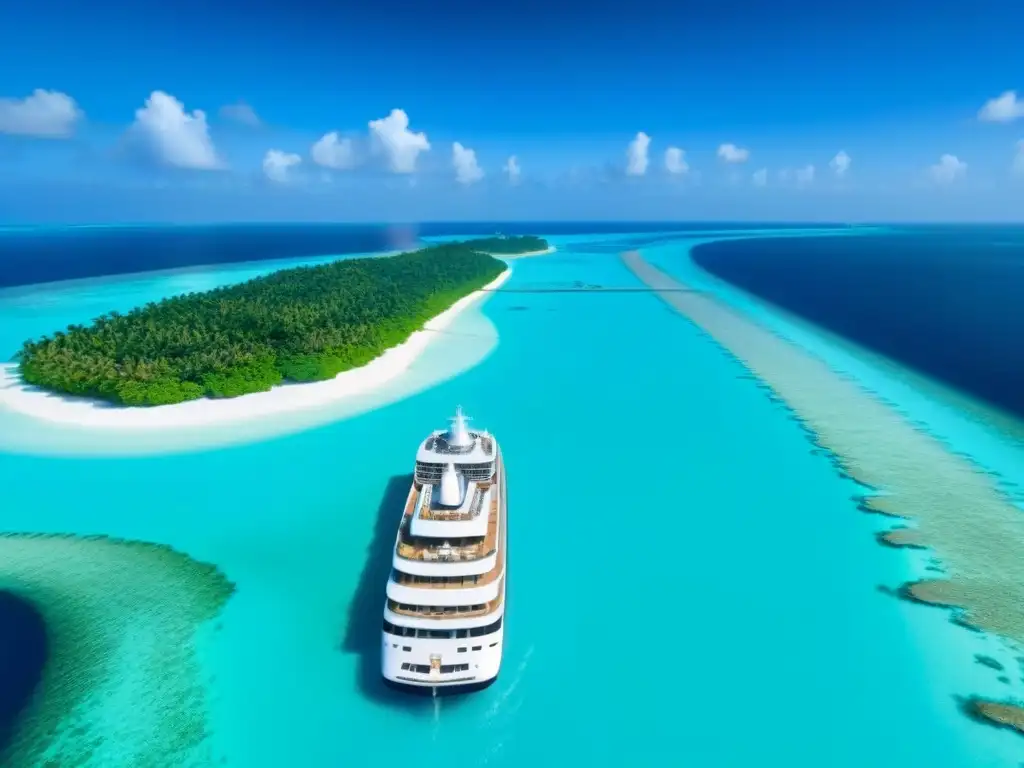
{"x": 303, "y": 324}
{"x": 510, "y": 246}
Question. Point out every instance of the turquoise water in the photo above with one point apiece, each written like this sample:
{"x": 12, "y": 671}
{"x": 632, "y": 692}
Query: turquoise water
{"x": 689, "y": 584}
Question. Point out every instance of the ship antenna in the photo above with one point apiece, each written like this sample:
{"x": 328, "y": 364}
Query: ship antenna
{"x": 458, "y": 434}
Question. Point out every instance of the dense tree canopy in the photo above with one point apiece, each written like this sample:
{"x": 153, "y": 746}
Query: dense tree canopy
{"x": 303, "y": 324}
{"x": 509, "y": 246}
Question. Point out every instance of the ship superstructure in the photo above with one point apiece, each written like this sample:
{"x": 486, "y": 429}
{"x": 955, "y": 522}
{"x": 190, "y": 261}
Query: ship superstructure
{"x": 444, "y": 614}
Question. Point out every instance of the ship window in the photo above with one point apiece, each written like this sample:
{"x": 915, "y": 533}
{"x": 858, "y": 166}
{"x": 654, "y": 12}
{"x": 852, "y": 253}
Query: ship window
{"x": 462, "y": 633}
{"x": 478, "y": 647}
{"x": 492, "y": 644}
{"x": 462, "y": 649}
{"x": 489, "y": 629}
{"x": 406, "y": 648}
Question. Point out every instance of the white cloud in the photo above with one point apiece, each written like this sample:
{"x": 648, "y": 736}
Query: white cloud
{"x": 512, "y": 169}
{"x": 636, "y": 155}
{"x": 401, "y": 145}
{"x": 733, "y": 154}
{"x": 276, "y": 164}
{"x": 240, "y": 112}
{"x": 332, "y": 151}
{"x": 467, "y": 169}
{"x": 948, "y": 169}
{"x": 45, "y": 114}
{"x": 760, "y": 178}
{"x": 840, "y": 163}
{"x": 675, "y": 161}
{"x": 175, "y": 136}
{"x": 804, "y": 175}
{"x": 1003, "y": 109}
{"x": 1018, "y": 159}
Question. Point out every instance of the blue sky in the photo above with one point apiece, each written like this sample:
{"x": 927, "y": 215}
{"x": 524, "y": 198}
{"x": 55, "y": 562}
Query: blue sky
{"x": 98, "y": 105}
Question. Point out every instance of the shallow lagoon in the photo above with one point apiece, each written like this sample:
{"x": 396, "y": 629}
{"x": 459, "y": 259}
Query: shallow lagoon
{"x": 689, "y": 582}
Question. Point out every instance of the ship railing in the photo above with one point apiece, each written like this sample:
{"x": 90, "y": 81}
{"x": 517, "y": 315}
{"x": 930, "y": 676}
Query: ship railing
{"x": 442, "y": 582}
{"x": 436, "y": 554}
{"x": 475, "y": 505}
{"x": 445, "y": 612}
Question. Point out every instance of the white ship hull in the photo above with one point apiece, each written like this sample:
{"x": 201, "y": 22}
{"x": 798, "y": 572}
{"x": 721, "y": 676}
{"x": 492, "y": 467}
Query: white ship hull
{"x": 410, "y": 661}
{"x": 439, "y": 653}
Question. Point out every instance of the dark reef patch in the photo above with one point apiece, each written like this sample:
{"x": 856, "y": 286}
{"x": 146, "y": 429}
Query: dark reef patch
{"x": 1000, "y": 714}
{"x": 24, "y": 648}
{"x": 939, "y": 593}
{"x": 940, "y": 300}
{"x": 988, "y": 661}
{"x": 900, "y": 538}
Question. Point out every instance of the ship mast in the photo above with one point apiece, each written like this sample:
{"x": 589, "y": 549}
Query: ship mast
{"x": 458, "y": 434}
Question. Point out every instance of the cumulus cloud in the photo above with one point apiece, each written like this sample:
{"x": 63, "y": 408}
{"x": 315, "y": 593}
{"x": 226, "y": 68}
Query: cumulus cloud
{"x": 1004, "y": 108}
{"x": 240, "y": 112}
{"x": 44, "y": 114}
{"x": 276, "y": 164}
{"x": 840, "y": 163}
{"x": 948, "y": 169}
{"x": 176, "y": 137}
{"x": 730, "y": 153}
{"x": 636, "y": 155}
{"x": 332, "y": 151}
{"x": 675, "y": 161}
{"x": 467, "y": 169}
{"x": 512, "y": 169}
{"x": 760, "y": 178}
{"x": 402, "y": 146}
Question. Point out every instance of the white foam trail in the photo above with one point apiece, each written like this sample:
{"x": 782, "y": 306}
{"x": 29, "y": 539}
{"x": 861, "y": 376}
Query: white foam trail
{"x": 437, "y": 712}
{"x": 520, "y": 671}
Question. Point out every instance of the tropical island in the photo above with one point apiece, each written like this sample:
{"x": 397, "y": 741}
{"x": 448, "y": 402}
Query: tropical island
{"x": 304, "y": 324}
{"x": 519, "y": 245}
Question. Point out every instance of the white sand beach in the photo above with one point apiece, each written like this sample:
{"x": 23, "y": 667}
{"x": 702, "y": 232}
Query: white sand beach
{"x": 81, "y": 412}
{"x": 506, "y": 257}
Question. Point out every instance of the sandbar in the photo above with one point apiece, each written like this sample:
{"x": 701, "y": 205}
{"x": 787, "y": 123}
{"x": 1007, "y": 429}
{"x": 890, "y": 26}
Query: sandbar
{"x": 84, "y": 412}
{"x": 961, "y": 512}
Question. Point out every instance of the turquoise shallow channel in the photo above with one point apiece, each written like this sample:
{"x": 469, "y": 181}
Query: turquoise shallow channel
{"x": 690, "y": 584}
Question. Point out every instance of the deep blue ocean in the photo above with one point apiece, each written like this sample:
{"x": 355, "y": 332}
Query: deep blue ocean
{"x": 945, "y": 301}
{"x": 43, "y": 254}
{"x": 691, "y": 582}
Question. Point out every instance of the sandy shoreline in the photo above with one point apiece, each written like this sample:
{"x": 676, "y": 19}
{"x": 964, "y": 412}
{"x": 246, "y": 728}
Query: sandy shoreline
{"x": 507, "y": 257}
{"x": 81, "y": 412}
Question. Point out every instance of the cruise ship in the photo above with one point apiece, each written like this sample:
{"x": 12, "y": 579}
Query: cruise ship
{"x": 443, "y": 618}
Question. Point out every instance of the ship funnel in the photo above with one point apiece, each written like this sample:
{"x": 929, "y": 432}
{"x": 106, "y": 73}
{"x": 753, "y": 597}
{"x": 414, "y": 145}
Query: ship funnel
{"x": 451, "y": 488}
{"x": 458, "y": 435}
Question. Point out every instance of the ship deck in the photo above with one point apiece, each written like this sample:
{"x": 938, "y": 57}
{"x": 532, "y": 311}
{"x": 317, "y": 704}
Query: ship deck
{"x": 410, "y": 548}
{"x": 491, "y": 543}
